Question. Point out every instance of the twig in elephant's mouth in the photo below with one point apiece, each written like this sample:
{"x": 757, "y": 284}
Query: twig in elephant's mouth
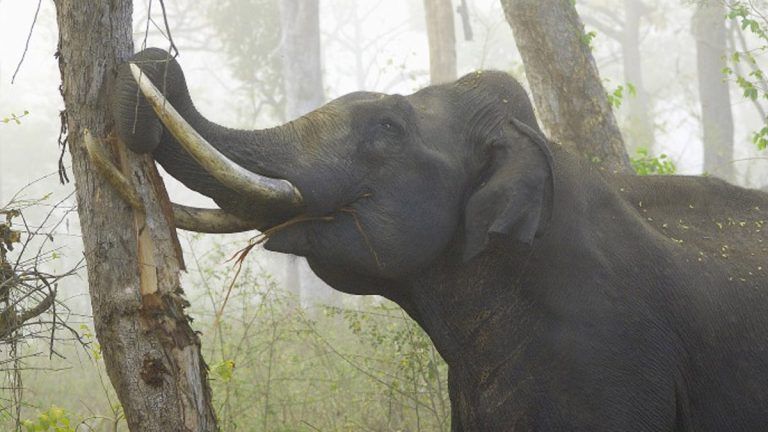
{"x": 263, "y": 237}
{"x": 353, "y": 213}
{"x": 240, "y": 255}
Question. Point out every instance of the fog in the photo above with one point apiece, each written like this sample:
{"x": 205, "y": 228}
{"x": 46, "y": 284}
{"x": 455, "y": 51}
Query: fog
{"x": 365, "y": 45}
{"x": 388, "y": 38}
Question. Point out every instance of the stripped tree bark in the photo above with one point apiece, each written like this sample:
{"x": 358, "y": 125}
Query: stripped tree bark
{"x": 151, "y": 354}
{"x": 566, "y": 86}
{"x": 442, "y": 40}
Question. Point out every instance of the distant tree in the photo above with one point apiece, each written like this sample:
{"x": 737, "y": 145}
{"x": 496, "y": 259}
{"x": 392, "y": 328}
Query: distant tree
{"x": 151, "y": 353}
{"x": 565, "y": 82}
{"x": 708, "y": 28}
{"x": 372, "y": 61}
{"x": 626, "y": 31}
{"x": 303, "y": 89}
{"x": 249, "y": 31}
{"x": 301, "y": 60}
{"x": 442, "y": 40}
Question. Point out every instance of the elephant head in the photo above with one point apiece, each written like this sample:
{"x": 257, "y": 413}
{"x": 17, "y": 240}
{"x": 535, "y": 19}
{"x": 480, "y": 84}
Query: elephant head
{"x": 370, "y": 188}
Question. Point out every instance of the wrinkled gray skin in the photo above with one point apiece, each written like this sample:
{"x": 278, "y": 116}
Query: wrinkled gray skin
{"x": 562, "y": 299}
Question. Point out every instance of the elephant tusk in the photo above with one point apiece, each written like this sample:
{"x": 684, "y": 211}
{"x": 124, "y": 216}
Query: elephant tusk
{"x": 219, "y": 166}
{"x": 111, "y": 173}
{"x": 212, "y": 221}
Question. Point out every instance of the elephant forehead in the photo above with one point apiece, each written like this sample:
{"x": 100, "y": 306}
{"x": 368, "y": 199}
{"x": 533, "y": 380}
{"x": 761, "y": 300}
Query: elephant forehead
{"x": 359, "y": 96}
{"x": 321, "y": 126}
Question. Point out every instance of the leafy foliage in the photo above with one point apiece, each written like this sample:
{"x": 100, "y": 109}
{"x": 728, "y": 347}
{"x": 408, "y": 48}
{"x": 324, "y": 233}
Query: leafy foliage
{"x": 587, "y": 39}
{"x": 616, "y": 97}
{"x": 645, "y": 164}
{"x": 751, "y": 81}
{"x": 14, "y": 118}
{"x": 53, "y": 419}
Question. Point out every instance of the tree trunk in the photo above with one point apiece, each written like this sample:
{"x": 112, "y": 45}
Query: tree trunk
{"x": 302, "y": 70}
{"x": 357, "y": 48}
{"x": 708, "y": 28}
{"x": 640, "y": 118}
{"x": 442, "y": 41}
{"x": 303, "y": 78}
{"x": 565, "y": 82}
{"x": 150, "y": 352}
{"x": 626, "y": 32}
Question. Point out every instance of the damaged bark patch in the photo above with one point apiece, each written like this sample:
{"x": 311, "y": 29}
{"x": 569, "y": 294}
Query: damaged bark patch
{"x": 153, "y": 371}
{"x": 152, "y": 303}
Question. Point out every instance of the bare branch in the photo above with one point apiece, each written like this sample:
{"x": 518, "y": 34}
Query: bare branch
{"x": 26, "y": 44}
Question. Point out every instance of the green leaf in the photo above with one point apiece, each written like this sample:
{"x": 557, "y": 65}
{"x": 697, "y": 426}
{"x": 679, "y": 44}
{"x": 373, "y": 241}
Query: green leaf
{"x": 644, "y": 164}
{"x": 587, "y": 38}
{"x": 224, "y": 370}
{"x": 632, "y": 89}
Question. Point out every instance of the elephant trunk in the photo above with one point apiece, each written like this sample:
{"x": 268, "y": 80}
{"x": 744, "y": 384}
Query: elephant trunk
{"x": 238, "y": 169}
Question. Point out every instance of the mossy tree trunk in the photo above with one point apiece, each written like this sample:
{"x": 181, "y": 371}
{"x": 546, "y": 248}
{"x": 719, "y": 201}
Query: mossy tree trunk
{"x": 566, "y": 86}
{"x": 151, "y": 354}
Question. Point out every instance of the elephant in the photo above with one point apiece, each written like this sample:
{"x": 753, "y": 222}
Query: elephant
{"x": 562, "y": 297}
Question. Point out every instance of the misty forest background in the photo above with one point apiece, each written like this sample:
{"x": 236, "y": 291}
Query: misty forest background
{"x": 287, "y": 353}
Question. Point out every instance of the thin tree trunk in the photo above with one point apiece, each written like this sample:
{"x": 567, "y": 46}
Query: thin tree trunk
{"x": 303, "y": 78}
{"x": 302, "y": 71}
{"x": 442, "y": 40}
{"x": 626, "y": 32}
{"x": 357, "y": 47}
{"x": 640, "y": 118}
{"x": 151, "y": 354}
{"x": 565, "y": 82}
{"x": 708, "y": 28}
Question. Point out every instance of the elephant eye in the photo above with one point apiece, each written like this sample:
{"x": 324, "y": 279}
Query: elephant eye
{"x": 392, "y": 127}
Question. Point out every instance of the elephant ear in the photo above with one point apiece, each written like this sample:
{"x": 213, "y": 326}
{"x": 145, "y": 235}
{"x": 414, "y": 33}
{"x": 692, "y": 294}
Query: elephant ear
{"x": 515, "y": 199}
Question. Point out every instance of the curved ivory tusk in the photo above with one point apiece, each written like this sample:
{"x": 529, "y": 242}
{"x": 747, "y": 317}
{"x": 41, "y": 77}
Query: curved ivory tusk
{"x": 219, "y": 166}
{"x": 118, "y": 181}
{"x": 213, "y": 221}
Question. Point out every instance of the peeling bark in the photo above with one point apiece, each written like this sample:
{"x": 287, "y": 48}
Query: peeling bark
{"x": 151, "y": 353}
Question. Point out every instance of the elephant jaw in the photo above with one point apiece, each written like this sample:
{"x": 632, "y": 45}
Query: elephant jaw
{"x": 291, "y": 240}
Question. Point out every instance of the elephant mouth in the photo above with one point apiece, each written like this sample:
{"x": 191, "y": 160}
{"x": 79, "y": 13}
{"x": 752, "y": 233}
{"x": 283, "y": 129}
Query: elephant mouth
{"x": 298, "y": 234}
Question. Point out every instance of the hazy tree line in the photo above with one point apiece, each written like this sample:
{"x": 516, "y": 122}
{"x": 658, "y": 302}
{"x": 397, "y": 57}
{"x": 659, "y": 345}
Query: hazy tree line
{"x": 275, "y": 363}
